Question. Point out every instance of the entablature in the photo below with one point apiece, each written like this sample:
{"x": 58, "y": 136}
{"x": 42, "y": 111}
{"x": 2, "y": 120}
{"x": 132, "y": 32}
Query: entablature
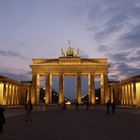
{"x": 69, "y": 68}
{"x": 70, "y": 60}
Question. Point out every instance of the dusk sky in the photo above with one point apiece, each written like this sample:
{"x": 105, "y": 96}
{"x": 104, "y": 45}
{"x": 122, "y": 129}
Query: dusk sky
{"x": 40, "y": 29}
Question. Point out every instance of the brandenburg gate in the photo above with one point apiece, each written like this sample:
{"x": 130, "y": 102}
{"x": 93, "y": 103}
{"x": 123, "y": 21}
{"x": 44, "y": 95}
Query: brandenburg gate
{"x": 69, "y": 64}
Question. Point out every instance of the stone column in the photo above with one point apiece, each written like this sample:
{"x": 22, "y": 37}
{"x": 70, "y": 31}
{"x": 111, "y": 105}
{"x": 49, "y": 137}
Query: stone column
{"x": 78, "y": 88}
{"x": 131, "y": 98}
{"x": 7, "y": 89}
{"x": 91, "y": 89}
{"x": 15, "y": 96}
{"x": 11, "y": 95}
{"x": 48, "y": 89}
{"x": 122, "y": 95}
{"x": 111, "y": 93}
{"x": 18, "y": 95}
{"x": 61, "y": 88}
{"x": 104, "y": 88}
{"x": 128, "y": 94}
{"x": 8, "y": 94}
{"x": 4, "y": 94}
{"x": 28, "y": 93}
{"x": 35, "y": 88}
{"x": 124, "y": 98}
{"x": 134, "y": 94}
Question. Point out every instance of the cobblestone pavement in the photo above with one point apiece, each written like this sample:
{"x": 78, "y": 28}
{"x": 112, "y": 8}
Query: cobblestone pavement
{"x": 57, "y": 124}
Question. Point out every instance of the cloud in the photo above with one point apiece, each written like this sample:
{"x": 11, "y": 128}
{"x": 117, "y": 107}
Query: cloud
{"x": 131, "y": 39}
{"x": 115, "y": 26}
{"x": 103, "y": 48}
{"x": 18, "y": 77}
{"x": 119, "y": 57}
{"x": 21, "y": 44}
{"x": 124, "y": 65}
{"x": 127, "y": 70}
{"x": 83, "y": 54}
{"x": 12, "y": 54}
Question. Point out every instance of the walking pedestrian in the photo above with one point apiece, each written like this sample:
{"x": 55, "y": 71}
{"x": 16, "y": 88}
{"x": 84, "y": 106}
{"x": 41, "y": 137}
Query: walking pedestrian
{"x": 113, "y": 105}
{"x": 87, "y": 105}
{"x": 76, "y": 104}
{"x": 43, "y": 106}
{"x": 2, "y": 118}
{"x": 28, "y": 108}
{"x": 64, "y": 106}
{"x": 108, "y": 106}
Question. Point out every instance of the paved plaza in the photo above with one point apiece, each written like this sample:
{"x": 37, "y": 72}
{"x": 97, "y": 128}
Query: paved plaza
{"x": 57, "y": 124}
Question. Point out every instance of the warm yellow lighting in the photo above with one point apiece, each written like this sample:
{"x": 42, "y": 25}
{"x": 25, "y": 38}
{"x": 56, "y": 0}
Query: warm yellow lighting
{"x": 138, "y": 92}
{"x": 1, "y": 93}
{"x": 68, "y": 102}
{"x": 138, "y": 86}
{"x": 96, "y": 98}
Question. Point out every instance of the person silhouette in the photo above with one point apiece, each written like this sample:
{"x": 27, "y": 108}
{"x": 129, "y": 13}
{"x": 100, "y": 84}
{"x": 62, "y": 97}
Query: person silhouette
{"x": 2, "y": 118}
{"x": 76, "y": 104}
{"x": 64, "y": 106}
{"x": 108, "y": 106}
{"x": 28, "y": 108}
{"x": 87, "y": 105}
{"x": 113, "y": 105}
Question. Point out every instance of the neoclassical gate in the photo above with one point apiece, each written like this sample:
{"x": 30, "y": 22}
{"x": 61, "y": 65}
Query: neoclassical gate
{"x": 69, "y": 64}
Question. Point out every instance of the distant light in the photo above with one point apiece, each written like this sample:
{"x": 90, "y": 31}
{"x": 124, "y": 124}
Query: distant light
{"x": 44, "y": 88}
{"x": 68, "y": 102}
{"x": 96, "y": 98}
{"x": 44, "y": 98}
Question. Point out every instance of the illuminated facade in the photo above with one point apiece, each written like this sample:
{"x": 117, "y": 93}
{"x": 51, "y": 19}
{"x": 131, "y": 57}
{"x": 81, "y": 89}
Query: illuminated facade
{"x": 13, "y": 93}
{"x": 69, "y": 64}
{"x": 126, "y": 92}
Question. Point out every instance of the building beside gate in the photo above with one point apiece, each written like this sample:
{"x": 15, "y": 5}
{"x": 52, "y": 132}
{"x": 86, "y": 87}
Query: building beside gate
{"x": 13, "y": 93}
{"x": 126, "y": 92}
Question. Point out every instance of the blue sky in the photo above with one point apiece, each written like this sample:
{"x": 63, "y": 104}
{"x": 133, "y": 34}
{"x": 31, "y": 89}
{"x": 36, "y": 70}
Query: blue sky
{"x": 40, "y": 28}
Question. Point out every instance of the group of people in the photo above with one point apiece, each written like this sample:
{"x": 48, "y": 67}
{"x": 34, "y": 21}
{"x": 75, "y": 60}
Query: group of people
{"x": 29, "y": 107}
{"x": 112, "y": 105}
